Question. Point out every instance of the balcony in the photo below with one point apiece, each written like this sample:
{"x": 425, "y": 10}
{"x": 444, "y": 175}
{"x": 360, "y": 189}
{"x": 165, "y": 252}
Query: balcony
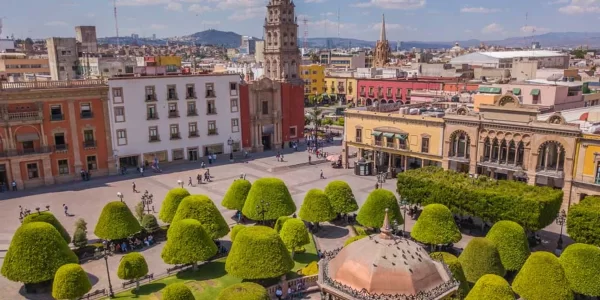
{"x": 362, "y": 93}
{"x": 28, "y": 85}
{"x": 191, "y": 95}
{"x": 150, "y": 98}
{"x": 173, "y": 114}
{"x": 210, "y": 94}
{"x": 57, "y": 117}
{"x": 23, "y": 116}
{"x": 89, "y": 144}
{"x": 371, "y": 94}
{"x": 153, "y": 138}
{"x": 26, "y": 151}
{"x": 390, "y": 145}
{"x": 378, "y": 143}
{"x": 191, "y": 113}
{"x": 398, "y": 96}
{"x": 193, "y": 134}
{"x": 380, "y": 95}
{"x": 213, "y": 132}
{"x": 87, "y": 114}
{"x": 61, "y": 148}
{"x": 152, "y": 116}
{"x": 211, "y": 111}
{"x": 175, "y": 136}
{"x": 358, "y": 139}
{"x": 172, "y": 96}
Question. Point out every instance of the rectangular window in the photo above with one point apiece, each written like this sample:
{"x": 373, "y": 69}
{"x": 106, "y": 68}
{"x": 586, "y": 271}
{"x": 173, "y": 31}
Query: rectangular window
{"x": 177, "y": 154}
{"x": 153, "y": 134}
{"x": 371, "y": 91}
{"x": 32, "y": 171}
{"x": 425, "y": 145}
{"x": 265, "y": 107}
{"x": 173, "y": 112}
{"x": 233, "y": 89}
{"x": 211, "y": 109}
{"x": 56, "y": 113}
{"x": 63, "y": 167}
{"x": 171, "y": 92}
{"x": 408, "y": 92}
{"x": 358, "y": 135}
{"x": 535, "y": 99}
{"x": 150, "y": 95}
{"x": 92, "y": 164}
{"x": 174, "y": 129}
{"x": 234, "y": 105}
{"x": 389, "y": 92}
{"x": 191, "y": 109}
{"x": 193, "y": 129}
{"x": 151, "y": 113}
{"x": 235, "y": 125}
{"x": 117, "y": 95}
{"x": 60, "y": 142}
{"x": 293, "y": 131}
{"x": 121, "y": 137}
{"x": 398, "y": 93}
{"x": 119, "y": 114}
{"x": 598, "y": 173}
{"x": 86, "y": 111}
{"x": 210, "y": 90}
{"x": 190, "y": 91}
{"x": 88, "y": 139}
{"x": 212, "y": 128}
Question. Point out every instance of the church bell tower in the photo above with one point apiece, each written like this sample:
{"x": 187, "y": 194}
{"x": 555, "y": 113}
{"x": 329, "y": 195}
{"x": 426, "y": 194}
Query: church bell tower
{"x": 281, "y": 55}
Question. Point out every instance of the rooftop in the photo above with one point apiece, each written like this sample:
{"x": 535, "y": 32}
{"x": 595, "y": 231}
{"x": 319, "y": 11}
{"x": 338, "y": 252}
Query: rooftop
{"x": 515, "y": 54}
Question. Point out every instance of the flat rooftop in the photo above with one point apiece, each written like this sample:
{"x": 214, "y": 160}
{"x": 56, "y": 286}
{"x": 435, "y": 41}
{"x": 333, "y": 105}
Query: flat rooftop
{"x": 530, "y": 53}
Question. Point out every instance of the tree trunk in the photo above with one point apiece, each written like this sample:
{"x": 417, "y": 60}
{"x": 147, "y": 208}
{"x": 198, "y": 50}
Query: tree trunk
{"x": 293, "y": 252}
{"x": 195, "y": 266}
{"x": 137, "y": 284}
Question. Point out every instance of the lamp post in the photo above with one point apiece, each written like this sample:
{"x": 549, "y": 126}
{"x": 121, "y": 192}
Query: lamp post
{"x": 110, "y": 289}
{"x": 560, "y": 221}
{"x": 404, "y": 208}
{"x": 120, "y": 195}
{"x": 230, "y": 144}
{"x": 180, "y": 183}
{"x": 147, "y": 201}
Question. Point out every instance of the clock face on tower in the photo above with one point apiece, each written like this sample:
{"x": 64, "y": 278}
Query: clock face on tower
{"x": 281, "y": 54}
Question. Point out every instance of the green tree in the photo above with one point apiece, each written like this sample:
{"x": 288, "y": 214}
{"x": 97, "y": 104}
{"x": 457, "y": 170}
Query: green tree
{"x": 139, "y": 211}
{"x": 316, "y": 207}
{"x": 70, "y": 282}
{"x": 436, "y": 226}
{"x": 491, "y": 287}
{"x": 116, "y": 222}
{"x": 341, "y": 197}
{"x": 581, "y": 263}
{"x": 542, "y": 278}
{"x": 188, "y": 242}
{"x": 316, "y": 116}
{"x": 511, "y": 241}
{"x": 372, "y": 212}
{"x": 171, "y": 203}
{"x": 353, "y": 239}
{"x": 480, "y": 257}
{"x": 35, "y": 253}
{"x": 80, "y": 238}
{"x": 133, "y": 266}
{"x": 244, "y": 291}
{"x": 236, "y": 195}
{"x": 583, "y": 221}
{"x": 280, "y": 221}
{"x": 456, "y": 268}
{"x": 294, "y": 235}
{"x": 177, "y": 291}
{"x": 235, "y": 230}
{"x": 149, "y": 223}
{"x": 48, "y": 217}
{"x": 258, "y": 253}
{"x": 81, "y": 223}
{"x": 268, "y": 199}
{"x": 201, "y": 208}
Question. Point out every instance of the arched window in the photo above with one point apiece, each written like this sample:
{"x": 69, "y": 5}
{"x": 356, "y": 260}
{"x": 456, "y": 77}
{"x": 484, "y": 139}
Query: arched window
{"x": 551, "y": 156}
{"x": 460, "y": 144}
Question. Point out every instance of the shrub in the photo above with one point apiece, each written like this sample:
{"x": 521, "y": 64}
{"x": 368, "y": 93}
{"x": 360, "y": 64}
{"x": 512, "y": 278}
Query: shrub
{"x": 35, "y": 253}
{"x": 353, "y": 239}
{"x": 359, "y": 230}
{"x": 70, "y": 282}
{"x": 480, "y": 257}
{"x": 116, "y": 222}
{"x": 456, "y": 269}
{"x": 491, "y": 287}
{"x": 533, "y": 207}
{"x": 236, "y": 195}
{"x": 138, "y": 209}
{"x": 311, "y": 269}
{"x": 48, "y": 217}
{"x": 149, "y": 223}
{"x": 581, "y": 263}
{"x": 542, "y": 278}
{"x": 372, "y": 212}
{"x": 80, "y": 238}
{"x": 271, "y": 195}
{"x": 187, "y": 242}
{"x": 294, "y": 234}
{"x": 280, "y": 221}
{"x": 316, "y": 207}
{"x": 132, "y": 266}
{"x": 436, "y": 226}
{"x": 583, "y": 221}
{"x": 258, "y": 253}
{"x": 81, "y": 223}
{"x": 177, "y": 291}
{"x": 201, "y": 208}
{"x": 341, "y": 197}
{"x": 235, "y": 230}
{"x": 171, "y": 203}
{"x": 244, "y": 291}
{"x": 511, "y": 241}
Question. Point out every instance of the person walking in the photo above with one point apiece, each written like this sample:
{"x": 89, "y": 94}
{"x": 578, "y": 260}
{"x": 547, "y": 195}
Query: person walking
{"x": 66, "y": 210}
{"x": 14, "y": 186}
{"x": 199, "y": 178}
{"x": 322, "y": 177}
{"x": 309, "y": 159}
{"x": 190, "y": 182}
{"x": 133, "y": 187}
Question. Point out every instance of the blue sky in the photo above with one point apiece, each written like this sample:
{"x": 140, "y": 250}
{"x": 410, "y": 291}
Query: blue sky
{"x": 425, "y": 20}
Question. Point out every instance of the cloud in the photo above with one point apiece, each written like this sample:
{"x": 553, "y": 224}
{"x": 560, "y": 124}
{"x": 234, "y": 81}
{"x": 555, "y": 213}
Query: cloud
{"x": 174, "y": 6}
{"x": 158, "y": 26}
{"x": 392, "y": 4}
{"x": 492, "y": 28}
{"x": 248, "y": 13}
{"x": 479, "y": 10}
{"x": 391, "y": 26}
{"x": 558, "y": 2}
{"x": 197, "y": 8}
{"x": 533, "y": 29}
{"x": 575, "y": 7}
{"x": 140, "y": 2}
{"x": 237, "y": 4}
{"x": 314, "y": 1}
{"x": 56, "y": 23}
{"x": 468, "y": 31}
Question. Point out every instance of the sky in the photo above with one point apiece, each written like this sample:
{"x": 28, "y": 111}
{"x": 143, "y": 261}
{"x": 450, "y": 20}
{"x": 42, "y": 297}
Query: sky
{"x": 406, "y": 20}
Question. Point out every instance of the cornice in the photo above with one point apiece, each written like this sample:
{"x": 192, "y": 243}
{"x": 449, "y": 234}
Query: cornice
{"x": 395, "y": 119}
{"x": 63, "y": 94}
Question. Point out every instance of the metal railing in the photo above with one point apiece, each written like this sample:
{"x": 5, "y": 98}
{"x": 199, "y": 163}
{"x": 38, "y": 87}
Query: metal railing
{"x": 52, "y": 84}
{"x": 211, "y": 111}
{"x": 192, "y": 112}
{"x": 57, "y": 117}
{"x": 210, "y": 94}
{"x": 152, "y": 117}
{"x": 153, "y": 138}
{"x": 175, "y": 136}
{"x": 26, "y": 151}
{"x": 173, "y": 114}
{"x": 378, "y": 143}
{"x": 190, "y": 95}
{"x": 150, "y": 98}
{"x": 87, "y": 114}
{"x": 358, "y": 139}
{"x": 193, "y": 134}
{"x": 22, "y": 116}
{"x": 212, "y": 132}
{"x": 89, "y": 144}
{"x": 61, "y": 147}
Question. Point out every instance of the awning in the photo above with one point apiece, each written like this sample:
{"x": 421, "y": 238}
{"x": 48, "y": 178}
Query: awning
{"x": 388, "y": 135}
{"x": 490, "y": 90}
{"x": 376, "y": 133}
{"x": 27, "y": 137}
{"x": 516, "y": 91}
{"x": 401, "y": 136}
{"x": 535, "y": 92}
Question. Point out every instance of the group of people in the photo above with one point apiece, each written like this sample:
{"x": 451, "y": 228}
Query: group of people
{"x": 85, "y": 175}
{"x": 131, "y": 244}
{"x": 3, "y": 186}
{"x": 291, "y": 291}
{"x": 279, "y": 156}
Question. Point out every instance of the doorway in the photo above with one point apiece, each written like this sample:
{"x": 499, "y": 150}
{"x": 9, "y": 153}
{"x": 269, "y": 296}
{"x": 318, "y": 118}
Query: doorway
{"x": 129, "y": 161}
{"x": 3, "y": 175}
{"x": 193, "y": 154}
{"x": 266, "y": 141}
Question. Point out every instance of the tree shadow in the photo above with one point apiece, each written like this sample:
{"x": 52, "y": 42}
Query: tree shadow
{"x": 305, "y": 258}
{"x": 211, "y": 270}
{"x": 331, "y": 232}
{"x": 93, "y": 278}
{"x": 148, "y": 289}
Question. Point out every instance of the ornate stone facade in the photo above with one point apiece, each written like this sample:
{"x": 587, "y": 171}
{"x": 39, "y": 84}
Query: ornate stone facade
{"x": 382, "y": 48}
{"x": 282, "y": 56}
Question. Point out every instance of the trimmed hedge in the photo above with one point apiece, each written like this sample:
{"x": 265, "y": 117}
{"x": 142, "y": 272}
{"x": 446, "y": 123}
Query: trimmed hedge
{"x": 456, "y": 268}
{"x": 149, "y": 223}
{"x": 116, "y": 222}
{"x": 480, "y": 257}
{"x": 70, "y": 282}
{"x": 35, "y": 253}
{"x": 244, "y": 291}
{"x": 270, "y": 195}
{"x": 341, "y": 197}
{"x": 187, "y": 242}
{"x": 236, "y": 194}
{"x": 280, "y": 221}
{"x": 201, "y": 208}
{"x": 372, "y": 212}
{"x": 583, "y": 221}
{"x": 171, "y": 203}
{"x": 235, "y": 230}
{"x": 436, "y": 226}
{"x": 80, "y": 238}
{"x": 581, "y": 263}
{"x": 311, "y": 269}
{"x": 542, "y": 278}
{"x": 511, "y": 241}
{"x": 353, "y": 239}
{"x": 258, "y": 253}
{"x": 177, "y": 291}
{"x": 316, "y": 207}
{"x": 48, "y": 217}
{"x": 491, "y": 287}
{"x": 132, "y": 266}
{"x": 294, "y": 234}
{"x": 533, "y": 207}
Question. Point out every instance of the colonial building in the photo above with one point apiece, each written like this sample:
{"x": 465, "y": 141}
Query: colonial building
{"x": 586, "y": 180}
{"x": 282, "y": 55}
{"x": 382, "y": 48}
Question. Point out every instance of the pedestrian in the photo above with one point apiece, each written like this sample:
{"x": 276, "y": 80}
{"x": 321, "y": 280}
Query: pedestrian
{"x": 133, "y": 187}
{"x": 309, "y": 159}
{"x": 66, "y": 210}
{"x": 199, "y": 178}
{"x": 202, "y": 164}
{"x": 281, "y": 158}
{"x": 190, "y": 182}
{"x": 142, "y": 171}
{"x": 322, "y": 177}
{"x": 279, "y": 293}
{"x": 377, "y": 185}
{"x": 14, "y": 186}
{"x": 242, "y": 175}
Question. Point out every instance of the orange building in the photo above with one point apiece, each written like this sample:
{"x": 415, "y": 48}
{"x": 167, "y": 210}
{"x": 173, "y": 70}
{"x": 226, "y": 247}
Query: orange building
{"x": 52, "y": 130}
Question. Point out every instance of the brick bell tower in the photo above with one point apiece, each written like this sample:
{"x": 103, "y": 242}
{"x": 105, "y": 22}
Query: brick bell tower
{"x": 382, "y": 48}
{"x": 282, "y": 56}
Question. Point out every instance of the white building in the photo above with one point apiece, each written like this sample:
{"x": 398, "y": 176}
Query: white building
{"x": 505, "y": 59}
{"x": 170, "y": 118}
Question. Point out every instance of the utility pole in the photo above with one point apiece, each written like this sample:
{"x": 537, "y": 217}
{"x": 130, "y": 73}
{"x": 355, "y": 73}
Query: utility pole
{"x": 116, "y": 24}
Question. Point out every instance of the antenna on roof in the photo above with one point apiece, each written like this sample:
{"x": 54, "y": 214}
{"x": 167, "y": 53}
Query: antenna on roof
{"x": 116, "y": 24}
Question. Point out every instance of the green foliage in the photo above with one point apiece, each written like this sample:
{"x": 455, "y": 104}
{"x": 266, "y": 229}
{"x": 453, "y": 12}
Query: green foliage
{"x": 187, "y": 242}
{"x": 80, "y": 238}
{"x": 583, "y": 221}
{"x": 581, "y": 263}
{"x": 236, "y": 195}
{"x": 294, "y": 234}
{"x": 258, "y": 253}
{"x": 244, "y": 291}
{"x": 280, "y": 221}
{"x": 270, "y": 195}
{"x": 201, "y": 208}
{"x": 48, "y": 217}
{"x": 139, "y": 211}
{"x": 372, "y": 212}
{"x": 359, "y": 230}
{"x": 491, "y": 287}
{"x": 116, "y": 222}
{"x": 542, "y": 278}
{"x": 35, "y": 253}
{"x": 132, "y": 266}
{"x": 533, "y": 207}
{"x": 511, "y": 241}
{"x": 353, "y": 239}
{"x": 149, "y": 223}
{"x": 316, "y": 207}
{"x": 311, "y": 269}
{"x": 70, "y": 282}
{"x": 436, "y": 226}
{"x": 341, "y": 197}
{"x": 171, "y": 203}
{"x": 480, "y": 257}
{"x": 456, "y": 269}
{"x": 177, "y": 291}
{"x": 235, "y": 230}
{"x": 81, "y": 223}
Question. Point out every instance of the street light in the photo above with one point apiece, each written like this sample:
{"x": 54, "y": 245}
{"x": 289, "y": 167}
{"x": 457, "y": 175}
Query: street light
{"x": 560, "y": 221}
{"x": 147, "y": 201}
{"x": 180, "y": 183}
{"x": 120, "y": 195}
{"x": 110, "y": 289}
{"x": 404, "y": 207}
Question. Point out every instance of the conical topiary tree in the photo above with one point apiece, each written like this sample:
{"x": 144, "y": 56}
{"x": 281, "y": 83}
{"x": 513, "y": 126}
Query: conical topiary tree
{"x": 280, "y": 221}
{"x": 149, "y": 223}
{"x": 35, "y": 253}
{"x": 171, "y": 203}
{"x": 436, "y": 226}
{"x": 581, "y": 263}
{"x": 511, "y": 241}
{"x": 294, "y": 235}
{"x": 268, "y": 199}
{"x": 258, "y": 253}
{"x": 480, "y": 257}
{"x": 244, "y": 291}
{"x": 133, "y": 266}
{"x": 177, "y": 291}
{"x": 235, "y": 230}
{"x": 456, "y": 269}
{"x": 188, "y": 242}
{"x": 201, "y": 208}
{"x": 70, "y": 282}
{"x": 316, "y": 207}
{"x": 236, "y": 194}
{"x": 48, "y": 217}
{"x": 341, "y": 197}
{"x": 583, "y": 221}
{"x": 491, "y": 287}
{"x": 116, "y": 222}
{"x": 542, "y": 278}
{"x": 372, "y": 212}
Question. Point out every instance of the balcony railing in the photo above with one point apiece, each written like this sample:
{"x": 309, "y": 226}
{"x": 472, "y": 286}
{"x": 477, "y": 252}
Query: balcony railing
{"x": 89, "y": 144}
{"x": 57, "y": 117}
{"x": 191, "y": 95}
{"x": 173, "y": 114}
{"x": 398, "y": 96}
{"x": 172, "y": 96}
{"x": 213, "y": 132}
{"x": 210, "y": 94}
{"x": 358, "y": 139}
{"x": 153, "y": 138}
{"x": 61, "y": 147}
{"x": 371, "y": 94}
{"x": 23, "y": 116}
{"x": 175, "y": 136}
{"x": 87, "y": 114}
{"x": 193, "y": 134}
{"x": 152, "y": 116}
{"x": 192, "y": 113}
{"x": 51, "y": 84}
{"x": 362, "y": 93}
{"x": 390, "y": 145}
{"x": 211, "y": 111}
{"x": 378, "y": 143}
{"x": 150, "y": 98}
{"x": 26, "y": 151}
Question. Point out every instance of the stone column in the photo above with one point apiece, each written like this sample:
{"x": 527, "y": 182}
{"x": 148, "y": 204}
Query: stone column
{"x": 15, "y": 168}
{"x": 74, "y": 136}
{"x": 546, "y": 157}
{"x": 48, "y": 177}
{"x": 558, "y": 159}
{"x": 111, "y": 160}
{"x": 390, "y": 166}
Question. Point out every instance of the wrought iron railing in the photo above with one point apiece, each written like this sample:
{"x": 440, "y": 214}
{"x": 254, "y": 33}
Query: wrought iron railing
{"x": 51, "y": 84}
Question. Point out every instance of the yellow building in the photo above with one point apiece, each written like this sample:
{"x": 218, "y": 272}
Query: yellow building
{"x": 173, "y": 63}
{"x": 314, "y": 79}
{"x": 18, "y": 65}
{"x": 586, "y": 170}
{"x": 343, "y": 88}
